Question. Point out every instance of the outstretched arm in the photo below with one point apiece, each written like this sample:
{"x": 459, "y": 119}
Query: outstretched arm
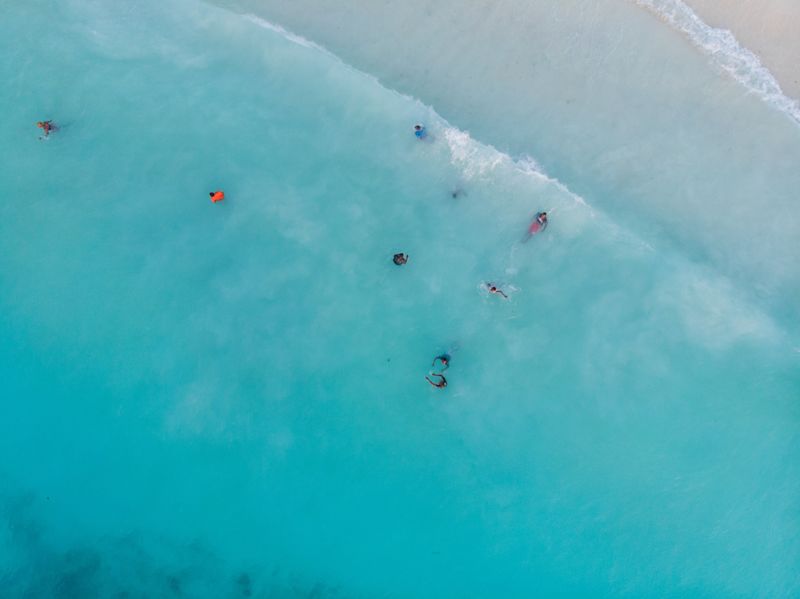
{"x": 442, "y": 382}
{"x": 500, "y": 291}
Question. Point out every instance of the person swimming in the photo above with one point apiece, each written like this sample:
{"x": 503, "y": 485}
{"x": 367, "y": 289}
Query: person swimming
{"x": 444, "y": 359}
{"x": 538, "y": 225}
{"x": 47, "y": 127}
{"x": 495, "y": 289}
{"x": 400, "y": 259}
{"x": 442, "y": 381}
{"x": 216, "y": 196}
{"x": 419, "y": 131}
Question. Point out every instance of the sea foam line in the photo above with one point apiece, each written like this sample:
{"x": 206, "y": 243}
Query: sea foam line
{"x": 478, "y": 159}
{"x": 726, "y": 52}
{"x": 292, "y": 37}
{"x": 473, "y": 157}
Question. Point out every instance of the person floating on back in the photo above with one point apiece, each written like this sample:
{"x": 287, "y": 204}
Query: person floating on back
{"x": 444, "y": 359}
{"x": 47, "y": 127}
{"x": 441, "y": 384}
{"x": 419, "y": 131}
{"x": 495, "y": 289}
{"x": 400, "y": 259}
{"x": 538, "y": 225}
{"x": 217, "y": 196}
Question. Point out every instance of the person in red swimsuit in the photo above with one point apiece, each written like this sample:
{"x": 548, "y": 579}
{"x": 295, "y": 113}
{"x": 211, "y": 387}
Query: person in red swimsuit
{"x": 46, "y": 126}
{"x": 537, "y": 226}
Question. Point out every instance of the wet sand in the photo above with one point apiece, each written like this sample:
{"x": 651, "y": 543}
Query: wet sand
{"x": 769, "y": 28}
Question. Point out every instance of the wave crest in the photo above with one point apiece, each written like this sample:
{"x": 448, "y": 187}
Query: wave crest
{"x": 726, "y": 51}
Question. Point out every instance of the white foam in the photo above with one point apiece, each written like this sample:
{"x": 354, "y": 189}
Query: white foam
{"x": 472, "y": 158}
{"x": 726, "y": 52}
{"x": 475, "y": 159}
{"x": 306, "y": 43}
{"x": 292, "y": 37}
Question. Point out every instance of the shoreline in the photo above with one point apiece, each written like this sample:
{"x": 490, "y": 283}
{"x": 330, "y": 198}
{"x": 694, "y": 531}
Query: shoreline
{"x": 769, "y": 30}
{"x": 756, "y": 47}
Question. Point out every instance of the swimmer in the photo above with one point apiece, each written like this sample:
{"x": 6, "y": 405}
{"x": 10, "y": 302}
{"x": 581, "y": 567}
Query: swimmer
{"x": 47, "y": 127}
{"x": 537, "y": 226}
{"x": 216, "y": 196}
{"x": 419, "y": 131}
{"x": 400, "y": 259}
{"x": 442, "y": 382}
{"x": 495, "y": 289}
{"x": 444, "y": 359}
{"x": 457, "y": 192}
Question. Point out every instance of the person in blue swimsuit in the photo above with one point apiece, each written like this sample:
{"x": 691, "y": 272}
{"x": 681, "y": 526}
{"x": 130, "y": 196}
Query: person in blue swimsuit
{"x": 419, "y": 131}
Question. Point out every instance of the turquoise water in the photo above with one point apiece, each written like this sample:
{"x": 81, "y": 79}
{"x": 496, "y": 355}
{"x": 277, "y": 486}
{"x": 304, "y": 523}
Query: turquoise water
{"x": 228, "y": 400}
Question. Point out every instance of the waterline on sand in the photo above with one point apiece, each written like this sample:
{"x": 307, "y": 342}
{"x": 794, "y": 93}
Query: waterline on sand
{"x": 726, "y": 52}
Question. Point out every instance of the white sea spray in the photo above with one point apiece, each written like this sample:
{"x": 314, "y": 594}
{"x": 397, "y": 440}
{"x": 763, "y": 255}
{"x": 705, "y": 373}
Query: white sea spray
{"x": 726, "y": 52}
{"x": 292, "y": 37}
{"x": 475, "y": 159}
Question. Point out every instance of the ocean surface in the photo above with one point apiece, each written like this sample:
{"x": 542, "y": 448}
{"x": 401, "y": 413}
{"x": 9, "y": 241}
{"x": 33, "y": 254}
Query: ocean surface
{"x": 229, "y": 400}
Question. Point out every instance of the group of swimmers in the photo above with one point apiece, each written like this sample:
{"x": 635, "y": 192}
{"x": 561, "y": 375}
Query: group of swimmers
{"x": 444, "y": 359}
{"x": 49, "y": 126}
{"x": 538, "y": 225}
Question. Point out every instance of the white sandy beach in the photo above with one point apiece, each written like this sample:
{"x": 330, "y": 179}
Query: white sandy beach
{"x": 769, "y": 28}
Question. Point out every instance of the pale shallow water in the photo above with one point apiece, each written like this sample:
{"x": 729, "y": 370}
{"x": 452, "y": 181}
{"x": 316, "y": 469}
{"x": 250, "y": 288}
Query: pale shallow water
{"x": 624, "y": 109}
{"x": 228, "y": 400}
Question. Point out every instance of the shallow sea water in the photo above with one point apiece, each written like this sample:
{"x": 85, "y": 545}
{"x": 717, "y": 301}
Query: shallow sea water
{"x": 229, "y": 400}
{"x": 642, "y": 118}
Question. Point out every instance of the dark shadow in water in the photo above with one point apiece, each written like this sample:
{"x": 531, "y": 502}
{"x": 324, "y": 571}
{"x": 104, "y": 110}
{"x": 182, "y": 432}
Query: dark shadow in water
{"x": 244, "y": 585}
{"x": 128, "y": 567}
